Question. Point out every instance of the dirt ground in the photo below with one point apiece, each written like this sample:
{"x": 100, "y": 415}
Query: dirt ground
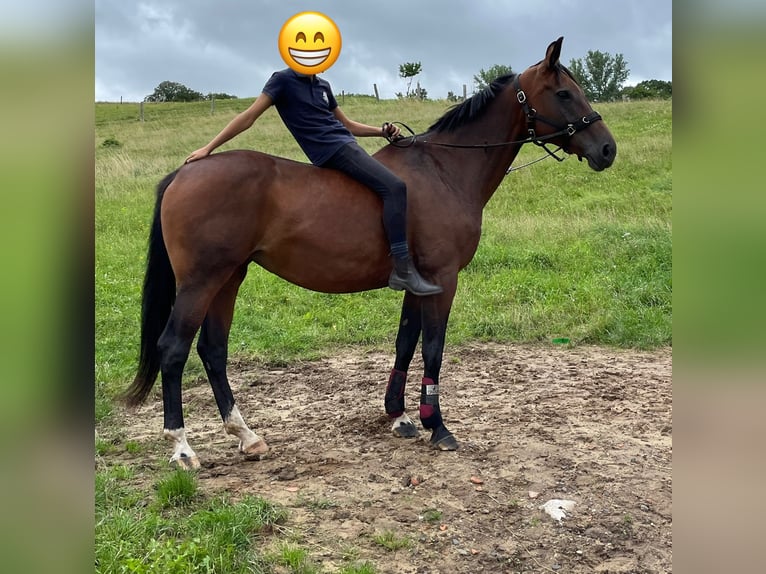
{"x": 535, "y": 423}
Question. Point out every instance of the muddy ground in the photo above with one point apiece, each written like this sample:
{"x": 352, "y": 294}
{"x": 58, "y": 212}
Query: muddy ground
{"x": 535, "y": 423}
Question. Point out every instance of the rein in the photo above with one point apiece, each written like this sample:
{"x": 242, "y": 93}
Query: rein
{"x": 532, "y": 117}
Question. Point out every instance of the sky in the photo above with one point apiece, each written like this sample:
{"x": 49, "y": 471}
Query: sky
{"x": 230, "y": 46}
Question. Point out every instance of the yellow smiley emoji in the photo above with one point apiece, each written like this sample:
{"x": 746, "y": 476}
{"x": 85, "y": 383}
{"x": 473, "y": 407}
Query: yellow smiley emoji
{"x": 309, "y": 42}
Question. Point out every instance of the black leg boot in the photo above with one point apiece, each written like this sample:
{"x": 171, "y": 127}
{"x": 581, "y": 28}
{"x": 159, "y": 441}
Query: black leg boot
{"x": 405, "y": 276}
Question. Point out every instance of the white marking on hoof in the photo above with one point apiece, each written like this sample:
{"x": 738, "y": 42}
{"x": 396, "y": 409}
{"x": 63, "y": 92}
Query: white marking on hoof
{"x": 183, "y": 455}
{"x": 250, "y": 444}
{"x": 403, "y": 427}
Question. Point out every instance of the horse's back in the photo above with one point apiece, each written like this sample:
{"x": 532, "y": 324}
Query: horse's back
{"x": 314, "y": 227}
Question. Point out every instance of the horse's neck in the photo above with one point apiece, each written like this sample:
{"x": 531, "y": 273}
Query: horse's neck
{"x": 477, "y": 173}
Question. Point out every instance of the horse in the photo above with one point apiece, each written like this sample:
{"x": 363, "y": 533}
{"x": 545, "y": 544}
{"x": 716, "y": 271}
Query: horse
{"x": 319, "y": 229}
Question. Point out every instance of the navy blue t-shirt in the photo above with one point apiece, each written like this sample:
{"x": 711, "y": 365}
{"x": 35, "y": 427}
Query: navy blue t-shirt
{"x": 306, "y": 104}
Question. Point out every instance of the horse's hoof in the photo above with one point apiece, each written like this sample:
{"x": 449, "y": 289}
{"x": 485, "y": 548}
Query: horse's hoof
{"x": 442, "y": 439}
{"x": 254, "y": 451}
{"x": 405, "y": 430}
{"x": 185, "y": 462}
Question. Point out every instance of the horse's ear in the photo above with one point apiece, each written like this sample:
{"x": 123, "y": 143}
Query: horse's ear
{"x": 553, "y": 53}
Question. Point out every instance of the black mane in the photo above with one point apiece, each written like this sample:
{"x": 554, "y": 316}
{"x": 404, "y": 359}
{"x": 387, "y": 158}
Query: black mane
{"x": 464, "y": 112}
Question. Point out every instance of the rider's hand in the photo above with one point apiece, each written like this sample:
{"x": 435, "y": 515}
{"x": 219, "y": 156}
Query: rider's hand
{"x": 391, "y": 131}
{"x": 198, "y": 154}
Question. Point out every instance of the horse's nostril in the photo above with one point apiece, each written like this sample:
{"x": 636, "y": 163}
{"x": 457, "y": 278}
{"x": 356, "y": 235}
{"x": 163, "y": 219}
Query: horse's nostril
{"x": 608, "y": 151}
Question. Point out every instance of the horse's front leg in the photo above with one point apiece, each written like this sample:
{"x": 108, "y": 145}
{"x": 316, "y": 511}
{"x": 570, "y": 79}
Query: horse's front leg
{"x": 406, "y": 341}
{"x": 435, "y": 314}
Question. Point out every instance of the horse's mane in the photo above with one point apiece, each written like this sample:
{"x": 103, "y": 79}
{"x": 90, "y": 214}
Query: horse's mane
{"x": 464, "y": 112}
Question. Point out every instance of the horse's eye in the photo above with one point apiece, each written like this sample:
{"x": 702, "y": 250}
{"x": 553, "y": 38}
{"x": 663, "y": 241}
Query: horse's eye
{"x": 563, "y": 94}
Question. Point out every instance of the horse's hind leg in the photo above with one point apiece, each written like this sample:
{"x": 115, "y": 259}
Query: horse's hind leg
{"x": 213, "y": 350}
{"x": 406, "y": 342}
{"x": 174, "y": 346}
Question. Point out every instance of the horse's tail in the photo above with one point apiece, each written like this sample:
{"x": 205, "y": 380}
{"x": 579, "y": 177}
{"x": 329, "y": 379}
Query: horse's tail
{"x": 159, "y": 294}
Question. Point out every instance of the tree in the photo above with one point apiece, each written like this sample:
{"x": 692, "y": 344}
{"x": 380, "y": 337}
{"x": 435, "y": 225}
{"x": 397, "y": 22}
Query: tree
{"x": 654, "y": 89}
{"x": 220, "y": 96}
{"x": 173, "y": 92}
{"x": 409, "y": 70}
{"x": 601, "y": 75}
{"x": 484, "y": 77}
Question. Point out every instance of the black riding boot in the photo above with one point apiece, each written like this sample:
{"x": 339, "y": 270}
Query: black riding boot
{"x": 405, "y": 276}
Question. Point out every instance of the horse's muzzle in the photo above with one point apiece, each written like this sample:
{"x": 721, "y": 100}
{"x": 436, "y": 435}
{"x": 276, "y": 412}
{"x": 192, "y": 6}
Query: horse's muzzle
{"x": 601, "y": 156}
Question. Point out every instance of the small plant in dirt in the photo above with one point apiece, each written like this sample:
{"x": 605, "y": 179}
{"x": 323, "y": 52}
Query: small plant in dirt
{"x": 296, "y": 559}
{"x": 626, "y": 526}
{"x": 104, "y": 447}
{"x": 391, "y": 542}
{"x": 132, "y": 447}
{"x": 363, "y": 568}
{"x": 317, "y": 503}
{"x": 431, "y": 515}
{"x": 349, "y": 553}
{"x": 177, "y": 489}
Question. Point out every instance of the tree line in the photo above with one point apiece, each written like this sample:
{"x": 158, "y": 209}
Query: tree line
{"x": 176, "y": 92}
{"x": 601, "y": 75}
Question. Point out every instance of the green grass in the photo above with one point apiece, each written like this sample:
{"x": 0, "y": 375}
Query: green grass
{"x": 136, "y": 534}
{"x": 391, "y": 541}
{"x": 177, "y": 489}
{"x": 358, "y": 568}
{"x": 295, "y": 559}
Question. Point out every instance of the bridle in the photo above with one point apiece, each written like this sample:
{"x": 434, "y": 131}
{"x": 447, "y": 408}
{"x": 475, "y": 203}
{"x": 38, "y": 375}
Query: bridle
{"x": 532, "y": 118}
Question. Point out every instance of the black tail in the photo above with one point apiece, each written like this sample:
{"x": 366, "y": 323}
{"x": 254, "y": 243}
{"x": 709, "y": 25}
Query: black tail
{"x": 157, "y": 301}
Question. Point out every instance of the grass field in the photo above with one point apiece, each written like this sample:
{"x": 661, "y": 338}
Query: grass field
{"x": 566, "y": 252}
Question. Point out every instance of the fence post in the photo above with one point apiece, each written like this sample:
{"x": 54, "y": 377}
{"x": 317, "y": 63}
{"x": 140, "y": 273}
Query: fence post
{"x": 377, "y": 95}
{"x": 212, "y": 105}
{"x": 141, "y": 111}
{"x": 465, "y": 92}
{"x": 343, "y": 97}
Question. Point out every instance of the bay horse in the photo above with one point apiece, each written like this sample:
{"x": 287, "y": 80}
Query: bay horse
{"x": 321, "y": 230}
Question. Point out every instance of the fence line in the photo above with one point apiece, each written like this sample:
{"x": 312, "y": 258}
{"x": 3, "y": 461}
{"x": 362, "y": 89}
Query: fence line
{"x": 141, "y": 115}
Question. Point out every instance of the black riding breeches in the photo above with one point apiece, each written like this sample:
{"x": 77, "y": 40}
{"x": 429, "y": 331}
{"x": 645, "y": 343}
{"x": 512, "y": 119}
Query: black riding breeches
{"x": 352, "y": 160}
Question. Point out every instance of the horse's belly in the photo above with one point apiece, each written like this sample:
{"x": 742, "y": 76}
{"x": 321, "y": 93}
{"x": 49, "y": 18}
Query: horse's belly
{"x": 329, "y": 265}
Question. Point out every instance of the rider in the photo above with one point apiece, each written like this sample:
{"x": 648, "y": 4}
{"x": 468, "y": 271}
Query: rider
{"x": 309, "y": 110}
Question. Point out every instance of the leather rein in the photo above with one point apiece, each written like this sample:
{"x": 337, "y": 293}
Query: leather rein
{"x": 532, "y": 118}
